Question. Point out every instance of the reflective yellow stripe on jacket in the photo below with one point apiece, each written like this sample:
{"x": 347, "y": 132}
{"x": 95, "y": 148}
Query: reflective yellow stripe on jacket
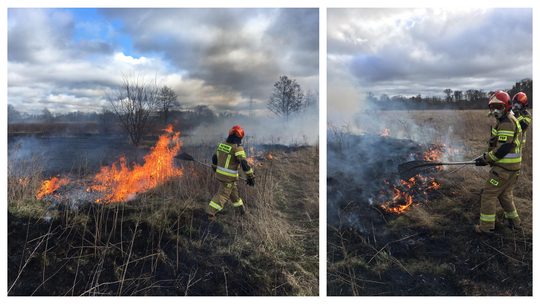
{"x": 227, "y": 172}
{"x": 240, "y": 153}
{"x": 510, "y": 158}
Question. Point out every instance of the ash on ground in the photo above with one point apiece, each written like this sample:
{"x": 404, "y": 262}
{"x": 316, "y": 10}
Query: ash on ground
{"x": 72, "y": 196}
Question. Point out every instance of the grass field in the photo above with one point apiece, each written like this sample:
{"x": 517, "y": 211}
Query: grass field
{"x": 432, "y": 249}
{"x": 160, "y": 244}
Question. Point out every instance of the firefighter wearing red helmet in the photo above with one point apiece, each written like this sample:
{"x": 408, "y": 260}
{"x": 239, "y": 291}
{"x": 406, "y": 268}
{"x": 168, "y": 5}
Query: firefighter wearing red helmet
{"x": 227, "y": 161}
{"x": 523, "y": 116}
{"x": 504, "y": 156}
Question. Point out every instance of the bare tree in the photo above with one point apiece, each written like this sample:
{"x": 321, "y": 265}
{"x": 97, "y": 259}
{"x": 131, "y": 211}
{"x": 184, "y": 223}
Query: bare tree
{"x": 106, "y": 120}
{"x": 47, "y": 116}
{"x": 458, "y": 95}
{"x": 135, "y": 104}
{"x": 167, "y": 100}
{"x": 13, "y": 115}
{"x": 370, "y": 97}
{"x": 469, "y": 95}
{"x": 204, "y": 113}
{"x": 384, "y": 98}
{"x": 448, "y": 93}
{"x": 287, "y": 98}
{"x": 311, "y": 100}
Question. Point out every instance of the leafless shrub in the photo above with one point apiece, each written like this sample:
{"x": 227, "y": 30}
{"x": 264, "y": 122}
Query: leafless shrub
{"x": 135, "y": 103}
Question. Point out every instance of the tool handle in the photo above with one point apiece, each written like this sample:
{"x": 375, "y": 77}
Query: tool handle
{"x": 202, "y": 163}
{"x": 241, "y": 177}
{"x": 464, "y": 165}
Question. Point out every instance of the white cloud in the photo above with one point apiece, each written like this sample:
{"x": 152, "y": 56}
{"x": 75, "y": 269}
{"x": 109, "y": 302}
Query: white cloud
{"x": 423, "y": 51}
{"x": 209, "y": 56}
{"x": 128, "y": 59}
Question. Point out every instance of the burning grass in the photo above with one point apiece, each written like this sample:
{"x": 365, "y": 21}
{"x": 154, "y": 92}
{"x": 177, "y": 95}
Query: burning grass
{"x": 372, "y": 159}
{"x": 430, "y": 248}
{"x": 120, "y": 182}
{"x": 158, "y": 243}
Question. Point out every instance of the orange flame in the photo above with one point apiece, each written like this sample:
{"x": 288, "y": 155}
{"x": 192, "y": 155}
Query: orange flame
{"x": 23, "y": 181}
{"x": 256, "y": 158}
{"x": 49, "y": 186}
{"x": 252, "y": 160}
{"x": 120, "y": 183}
{"x": 401, "y": 200}
{"x": 168, "y": 129}
{"x": 385, "y": 133}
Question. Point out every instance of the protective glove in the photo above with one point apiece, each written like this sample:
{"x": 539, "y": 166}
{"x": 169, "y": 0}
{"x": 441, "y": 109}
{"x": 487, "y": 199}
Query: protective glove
{"x": 251, "y": 182}
{"x": 480, "y": 162}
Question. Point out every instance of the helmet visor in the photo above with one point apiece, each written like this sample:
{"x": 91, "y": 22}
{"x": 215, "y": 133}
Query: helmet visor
{"x": 496, "y": 106}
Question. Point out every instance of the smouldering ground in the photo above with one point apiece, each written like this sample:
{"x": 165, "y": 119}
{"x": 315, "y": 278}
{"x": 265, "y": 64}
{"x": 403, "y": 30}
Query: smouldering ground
{"x": 159, "y": 242}
{"x": 431, "y": 249}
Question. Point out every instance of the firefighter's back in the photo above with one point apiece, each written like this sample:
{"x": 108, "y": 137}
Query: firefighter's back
{"x": 227, "y": 163}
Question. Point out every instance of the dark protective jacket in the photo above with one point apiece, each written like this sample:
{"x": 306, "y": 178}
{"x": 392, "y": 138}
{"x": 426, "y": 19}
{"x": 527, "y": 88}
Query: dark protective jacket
{"x": 228, "y": 160}
{"x": 505, "y": 144}
{"x": 524, "y": 117}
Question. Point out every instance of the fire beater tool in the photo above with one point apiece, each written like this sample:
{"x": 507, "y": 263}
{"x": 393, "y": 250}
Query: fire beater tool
{"x": 410, "y": 169}
{"x": 185, "y": 156}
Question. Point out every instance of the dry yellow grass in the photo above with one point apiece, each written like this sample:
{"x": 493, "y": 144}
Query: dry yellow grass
{"x": 471, "y": 130}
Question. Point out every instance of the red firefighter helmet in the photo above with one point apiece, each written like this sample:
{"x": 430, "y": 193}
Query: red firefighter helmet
{"x": 238, "y": 131}
{"x": 501, "y": 98}
{"x": 520, "y": 97}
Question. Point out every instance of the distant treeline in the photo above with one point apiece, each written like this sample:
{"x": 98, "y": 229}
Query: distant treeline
{"x": 454, "y": 99}
{"x": 105, "y": 121}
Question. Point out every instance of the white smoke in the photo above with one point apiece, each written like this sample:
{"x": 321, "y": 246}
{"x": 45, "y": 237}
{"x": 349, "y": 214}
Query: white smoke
{"x": 300, "y": 130}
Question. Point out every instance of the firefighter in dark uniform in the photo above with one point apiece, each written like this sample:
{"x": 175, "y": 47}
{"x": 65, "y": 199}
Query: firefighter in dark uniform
{"x": 504, "y": 157}
{"x": 523, "y": 116}
{"x": 227, "y": 161}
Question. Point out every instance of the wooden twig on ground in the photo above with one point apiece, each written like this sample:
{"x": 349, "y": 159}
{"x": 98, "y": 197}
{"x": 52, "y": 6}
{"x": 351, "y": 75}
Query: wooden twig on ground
{"x": 483, "y": 262}
{"x": 380, "y": 213}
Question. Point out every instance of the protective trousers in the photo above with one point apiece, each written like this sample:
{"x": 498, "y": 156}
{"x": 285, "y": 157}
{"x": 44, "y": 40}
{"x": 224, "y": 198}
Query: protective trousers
{"x": 226, "y": 190}
{"x": 499, "y": 186}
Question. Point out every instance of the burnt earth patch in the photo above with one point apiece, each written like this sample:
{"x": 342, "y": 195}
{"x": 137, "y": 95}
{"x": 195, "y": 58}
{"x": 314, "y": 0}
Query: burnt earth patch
{"x": 90, "y": 258}
{"x": 430, "y": 249}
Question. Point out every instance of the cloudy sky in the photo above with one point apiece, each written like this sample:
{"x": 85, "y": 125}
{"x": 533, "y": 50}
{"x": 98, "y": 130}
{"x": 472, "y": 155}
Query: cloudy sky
{"x": 424, "y": 51}
{"x": 65, "y": 59}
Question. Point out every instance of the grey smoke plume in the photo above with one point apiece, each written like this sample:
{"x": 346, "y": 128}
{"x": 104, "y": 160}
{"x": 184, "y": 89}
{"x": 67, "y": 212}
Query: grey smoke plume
{"x": 301, "y": 130}
{"x": 64, "y": 155}
{"x": 364, "y": 152}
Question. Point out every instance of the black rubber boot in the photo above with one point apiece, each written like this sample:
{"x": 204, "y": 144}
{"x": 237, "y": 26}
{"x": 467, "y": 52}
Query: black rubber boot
{"x": 512, "y": 225}
{"x": 243, "y": 210}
